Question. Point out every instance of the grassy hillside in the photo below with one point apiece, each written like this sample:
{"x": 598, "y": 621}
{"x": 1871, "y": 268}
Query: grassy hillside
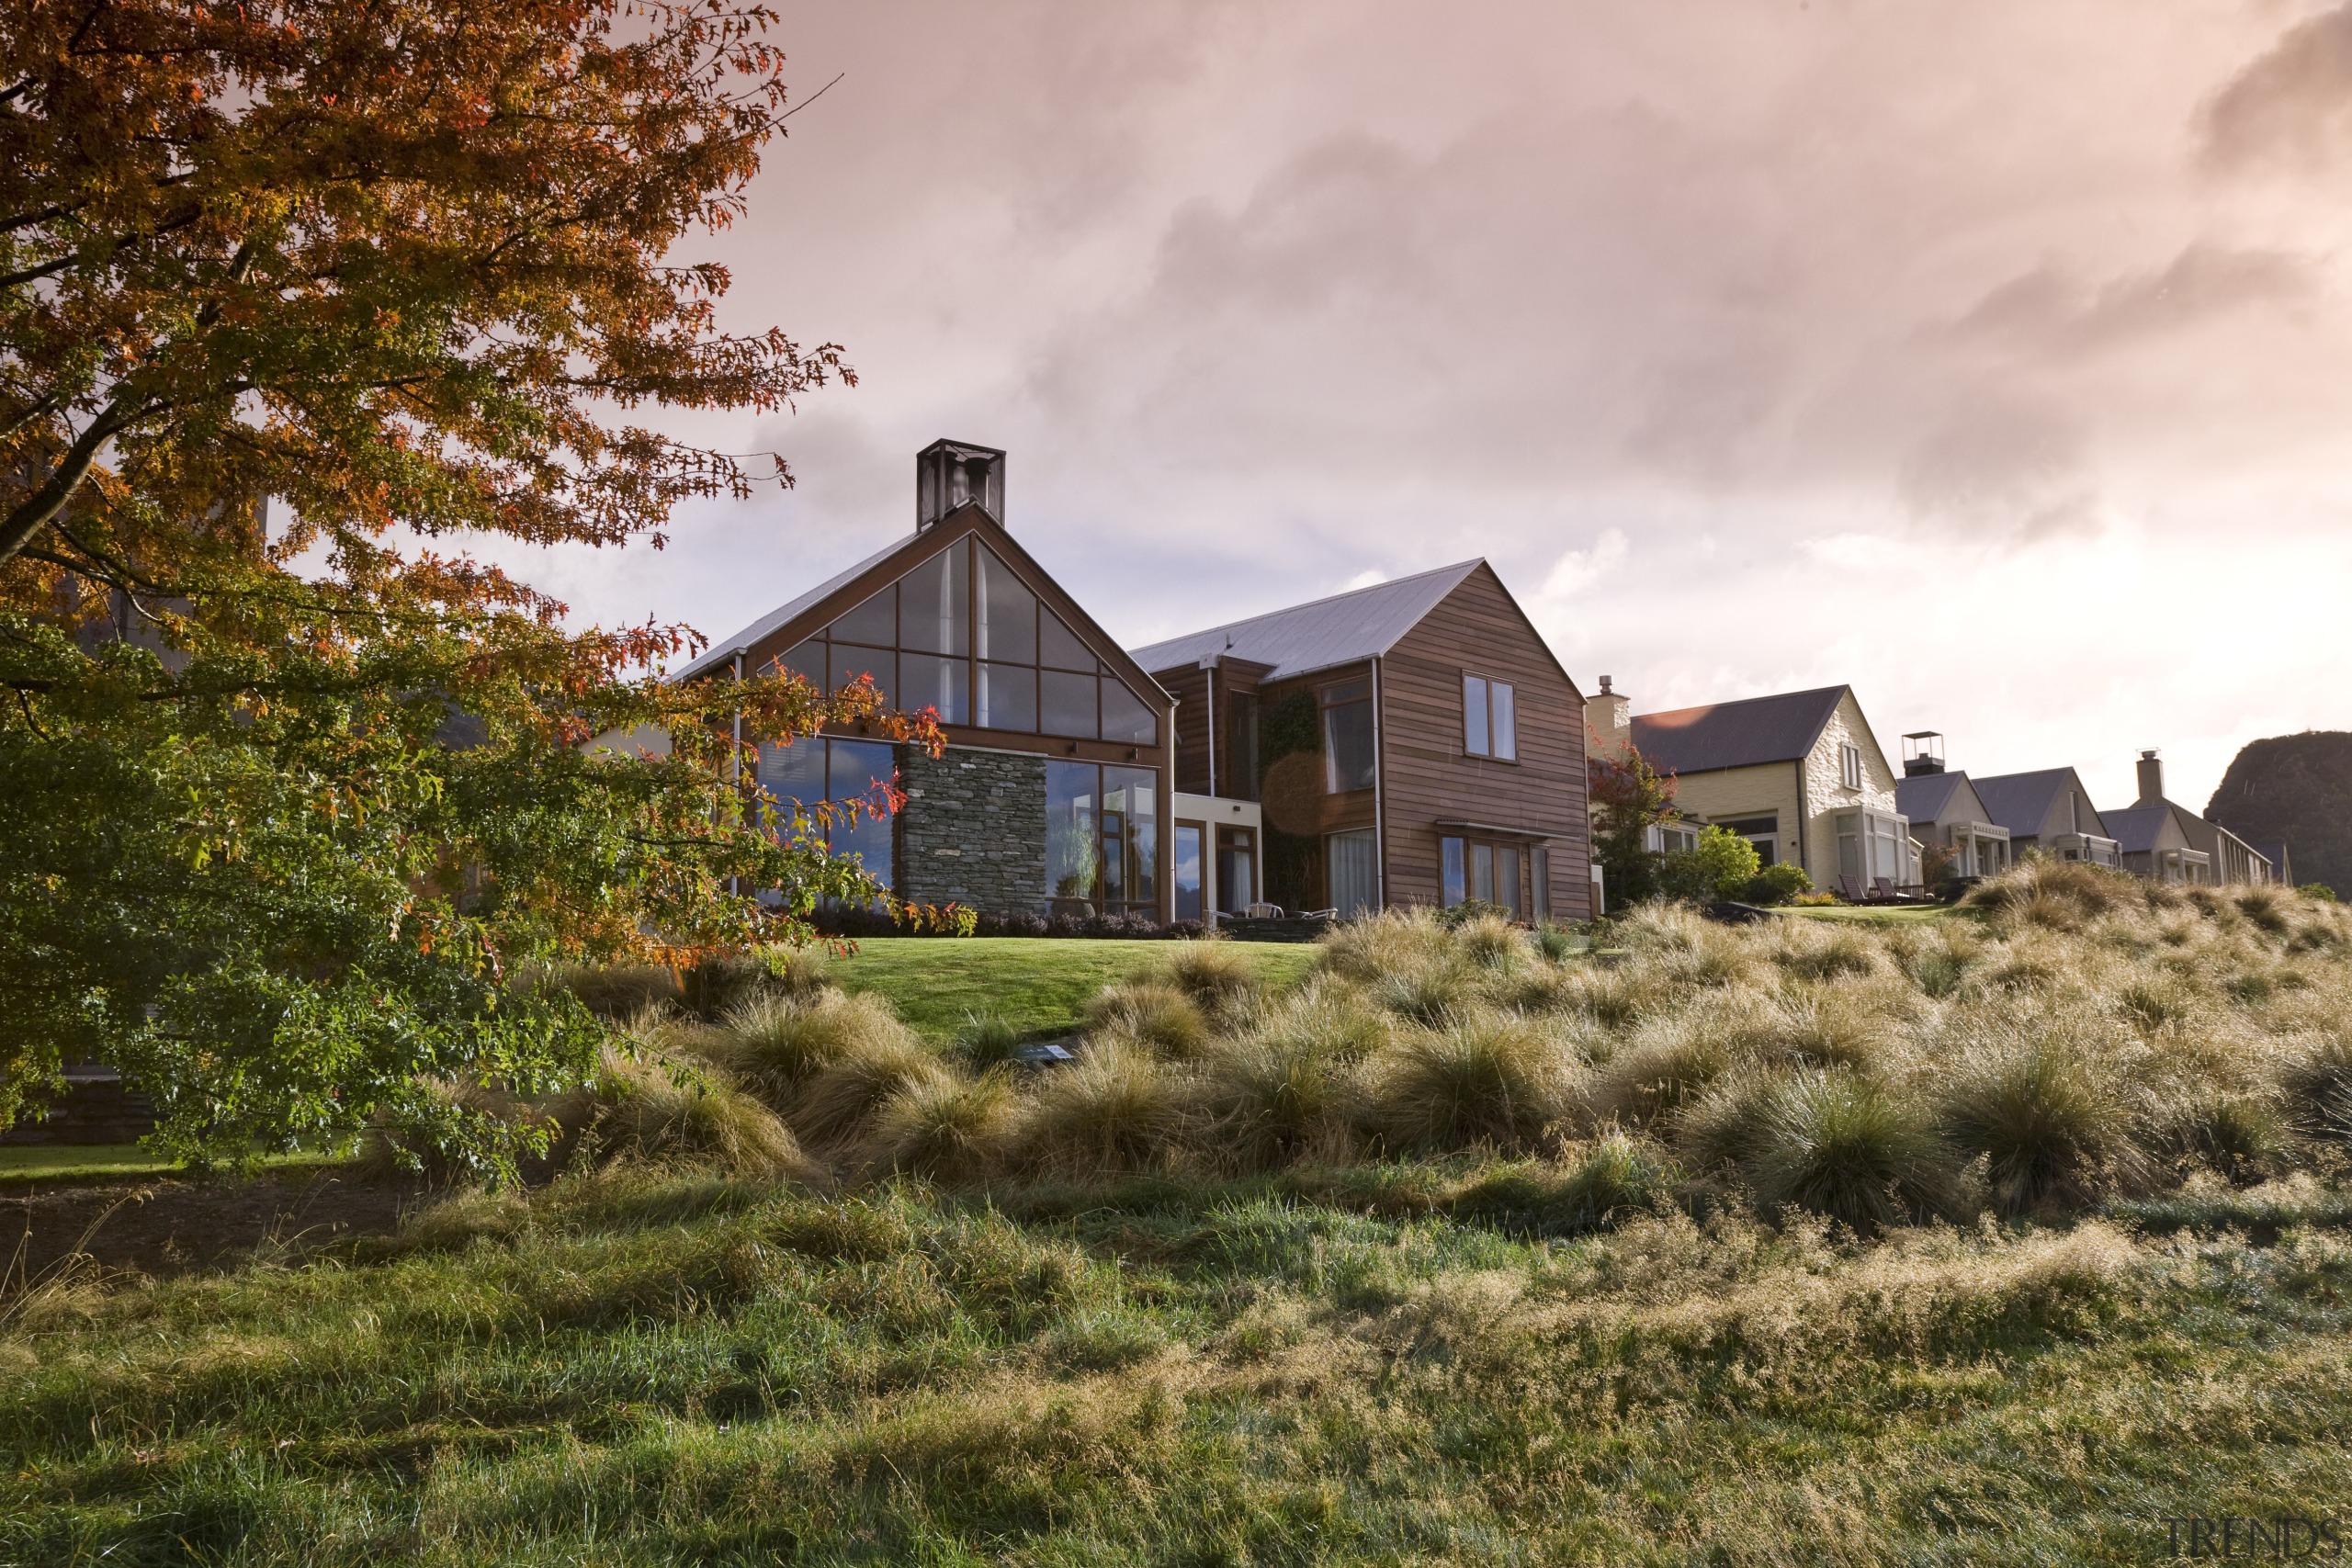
{"x": 2008, "y": 1236}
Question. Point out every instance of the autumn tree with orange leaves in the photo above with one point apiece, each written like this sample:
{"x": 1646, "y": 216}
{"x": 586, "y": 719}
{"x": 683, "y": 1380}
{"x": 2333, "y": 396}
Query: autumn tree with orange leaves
{"x": 285, "y": 845}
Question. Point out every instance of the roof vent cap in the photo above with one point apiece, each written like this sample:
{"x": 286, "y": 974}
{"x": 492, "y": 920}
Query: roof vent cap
{"x": 949, "y": 474}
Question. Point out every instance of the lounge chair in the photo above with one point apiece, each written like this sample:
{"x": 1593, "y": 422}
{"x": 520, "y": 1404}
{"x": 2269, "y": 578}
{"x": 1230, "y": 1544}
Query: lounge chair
{"x": 1850, "y": 888}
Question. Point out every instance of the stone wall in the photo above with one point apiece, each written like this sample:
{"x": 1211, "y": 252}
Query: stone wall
{"x": 973, "y": 831}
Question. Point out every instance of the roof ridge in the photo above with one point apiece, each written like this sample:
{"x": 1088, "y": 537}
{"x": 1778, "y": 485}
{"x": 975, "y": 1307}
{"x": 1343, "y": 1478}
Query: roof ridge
{"x": 1767, "y": 698}
{"x": 1463, "y": 566}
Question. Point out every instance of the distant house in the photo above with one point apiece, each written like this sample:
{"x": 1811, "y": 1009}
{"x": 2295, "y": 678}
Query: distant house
{"x": 1799, "y": 775}
{"x": 2051, "y": 811}
{"x": 2164, "y": 841}
{"x": 1052, "y": 795}
{"x": 1945, "y": 811}
{"x": 1411, "y": 743}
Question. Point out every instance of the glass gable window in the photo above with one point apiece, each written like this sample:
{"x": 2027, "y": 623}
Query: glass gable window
{"x": 963, "y": 634}
{"x": 1347, "y": 736}
{"x": 1102, "y": 839}
{"x": 817, "y": 770}
{"x": 1489, "y": 718}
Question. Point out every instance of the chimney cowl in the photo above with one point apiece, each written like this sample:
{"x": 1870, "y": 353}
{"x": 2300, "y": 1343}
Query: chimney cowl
{"x": 951, "y": 474}
{"x": 1607, "y": 686}
{"x": 1923, "y": 752}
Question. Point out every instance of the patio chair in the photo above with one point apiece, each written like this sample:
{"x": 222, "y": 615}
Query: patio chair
{"x": 1850, "y": 888}
{"x": 1264, "y": 912}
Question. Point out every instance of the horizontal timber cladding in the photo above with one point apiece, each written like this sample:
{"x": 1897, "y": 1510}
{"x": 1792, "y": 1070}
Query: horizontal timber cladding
{"x": 1427, "y": 774}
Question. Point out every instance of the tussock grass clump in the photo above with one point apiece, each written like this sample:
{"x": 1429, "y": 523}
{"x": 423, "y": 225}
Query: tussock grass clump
{"x": 1390, "y": 942}
{"x": 1274, "y": 1097}
{"x": 1816, "y": 950}
{"x": 1334, "y": 1021}
{"x": 1670, "y": 1062}
{"x": 1482, "y": 1078}
{"x": 2316, "y": 1082}
{"x": 2063, "y": 893}
{"x": 1158, "y": 1018}
{"x": 1221, "y": 980}
{"x": 1490, "y": 941}
{"x": 987, "y": 1040}
{"x": 2050, "y": 1120}
{"x": 1117, "y": 1108}
{"x": 1835, "y": 1143}
{"x": 1590, "y": 1187}
{"x": 945, "y": 1126}
{"x": 621, "y": 990}
{"x": 775, "y": 1044}
{"x": 833, "y": 1104}
{"x": 1427, "y": 996}
{"x": 661, "y": 1109}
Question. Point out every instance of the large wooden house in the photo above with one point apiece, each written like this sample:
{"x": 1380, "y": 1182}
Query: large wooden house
{"x": 1053, "y": 792}
{"x": 1411, "y": 743}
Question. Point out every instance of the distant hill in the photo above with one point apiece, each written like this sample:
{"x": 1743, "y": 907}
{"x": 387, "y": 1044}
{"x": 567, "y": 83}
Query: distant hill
{"x": 2299, "y": 788}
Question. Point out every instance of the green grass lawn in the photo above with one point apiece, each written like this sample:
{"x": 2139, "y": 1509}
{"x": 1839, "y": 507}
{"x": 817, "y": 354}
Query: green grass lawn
{"x": 1864, "y": 914}
{"x": 1334, "y": 1368}
{"x": 1039, "y": 984}
{"x": 79, "y": 1162}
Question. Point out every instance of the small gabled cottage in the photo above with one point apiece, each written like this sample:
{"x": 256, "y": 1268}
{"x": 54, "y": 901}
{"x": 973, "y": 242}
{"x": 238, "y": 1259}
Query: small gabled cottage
{"x": 1411, "y": 743}
{"x": 1798, "y": 774}
{"x": 2051, "y": 811}
{"x": 1945, "y": 812}
{"x": 1052, "y": 795}
{"x": 2164, "y": 841}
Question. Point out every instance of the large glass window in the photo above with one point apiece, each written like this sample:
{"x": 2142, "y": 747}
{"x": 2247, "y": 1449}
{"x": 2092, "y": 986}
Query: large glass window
{"x": 963, "y": 634}
{"x": 1102, "y": 839}
{"x": 1354, "y": 860}
{"x": 1236, "y": 870}
{"x": 1489, "y": 874}
{"x": 1347, "y": 736}
{"x": 1188, "y": 871}
{"x": 819, "y": 771}
{"x": 1489, "y": 718}
{"x": 1240, "y": 757}
{"x": 1453, "y": 871}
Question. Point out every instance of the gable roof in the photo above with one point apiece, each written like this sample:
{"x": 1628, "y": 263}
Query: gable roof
{"x": 1342, "y": 630}
{"x": 1740, "y": 734}
{"x": 1921, "y": 798}
{"x": 2137, "y": 829}
{"x": 2021, "y": 802}
{"x": 759, "y": 631}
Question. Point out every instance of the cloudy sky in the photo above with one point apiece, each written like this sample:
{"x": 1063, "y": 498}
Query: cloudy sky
{"x": 1993, "y": 357}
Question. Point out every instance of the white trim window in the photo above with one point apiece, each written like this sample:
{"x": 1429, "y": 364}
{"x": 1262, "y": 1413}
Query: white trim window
{"x": 1849, "y": 765}
{"x": 1489, "y": 718}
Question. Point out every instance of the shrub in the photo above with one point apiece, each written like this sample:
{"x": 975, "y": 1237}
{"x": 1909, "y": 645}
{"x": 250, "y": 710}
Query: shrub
{"x": 1117, "y": 1108}
{"x": 1556, "y": 944}
{"x": 1219, "y": 977}
{"x": 2319, "y": 890}
{"x": 1158, "y": 1017}
{"x": 657, "y": 1107}
{"x": 774, "y": 1044}
{"x": 2053, "y": 1130}
{"x": 1484, "y": 1077}
{"x": 1780, "y": 883}
{"x": 1835, "y": 1143}
{"x": 945, "y": 1126}
{"x": 1720, "y": 866}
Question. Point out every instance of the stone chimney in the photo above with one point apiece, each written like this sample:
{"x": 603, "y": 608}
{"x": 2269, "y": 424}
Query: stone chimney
{"x": 948, "y": 474}
{"x": 1609, "y": 714}
{"x": 2151, "y": 778}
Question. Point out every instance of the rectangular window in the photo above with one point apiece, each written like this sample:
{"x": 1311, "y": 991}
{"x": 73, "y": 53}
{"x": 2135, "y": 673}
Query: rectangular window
{"x": 1849, "y": 765}
{"x": 814, "y": 771}
{"x": 1067, "y": 705}
{"x": 1355, "y": 873}
{"x": 927, "y": 681}
{"x": 1540, "y": 873}
{"x": 1102, "y": 839}
{"x": 1482, "y": 872}
{"x": 851, "y": 662}
{"x": 1489, "y": 718}
{"x": 1132, "y": 794}
{"x": 1073, "y": 841}
{"x": 1240, "y": 759}
{"x": 1347, "y": 737}
{"x": 1236, "y": 870}
{"x": 1510, "y": 873}
{"x": 1008, "y": 697}
{"x": 1188, "y": 871}
{"x": 1849, "y": 844}
{"x": 1453, "y": 874}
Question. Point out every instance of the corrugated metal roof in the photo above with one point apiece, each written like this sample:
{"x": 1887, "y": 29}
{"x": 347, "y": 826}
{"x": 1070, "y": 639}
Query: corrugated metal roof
{"x": 2021, "y": 802}
{"x": 1339, "y": 630}
{"x": 726, "y": 647}
{"x": 1921, "y": 798}
{"x": 1735, "y": 735}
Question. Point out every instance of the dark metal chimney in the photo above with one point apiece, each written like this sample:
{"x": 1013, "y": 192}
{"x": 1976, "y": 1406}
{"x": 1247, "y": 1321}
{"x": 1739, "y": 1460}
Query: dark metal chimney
{"x": 948, "y": 474}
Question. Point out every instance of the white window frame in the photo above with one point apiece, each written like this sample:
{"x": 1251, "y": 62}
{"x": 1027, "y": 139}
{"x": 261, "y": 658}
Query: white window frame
{"x": 1849, "y": 765}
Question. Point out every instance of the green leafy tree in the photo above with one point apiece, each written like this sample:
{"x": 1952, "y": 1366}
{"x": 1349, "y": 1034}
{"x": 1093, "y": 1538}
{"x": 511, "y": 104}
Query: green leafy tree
{"x": 284, "y": 845}
{"x": 1629, "y": 797}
